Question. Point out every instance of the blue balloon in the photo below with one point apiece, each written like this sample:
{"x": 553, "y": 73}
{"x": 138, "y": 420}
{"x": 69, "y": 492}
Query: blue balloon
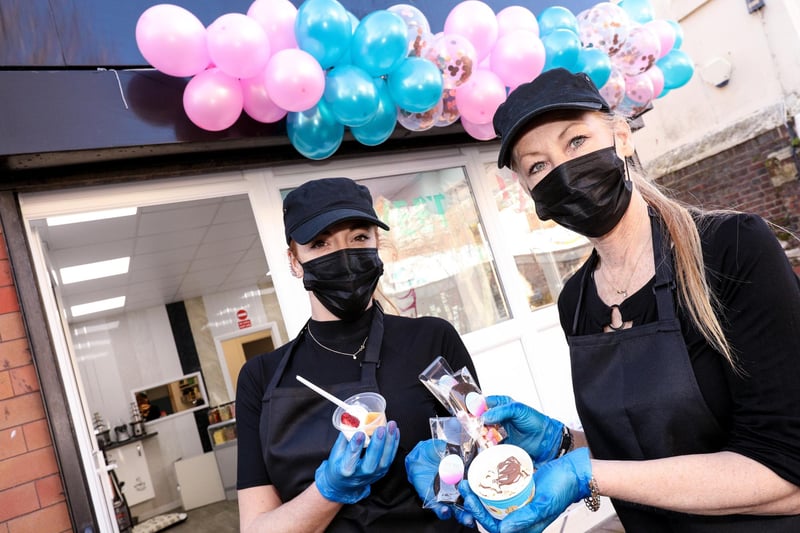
{"x": 678, "y": 33}
{"x": 351, "y": 95}
{"x": 561, "y": 49}
{"x": 595, "y": 63}
{"x": 380, "y": 43}
{"x": 416, "y": 85}
{"x": 640, "y": 11}
{"x": 323, "y": 29}
{"x": 554, "y": 18}
{"x": 677, "y": 67}
{"x": 383, "y": 123}
{"x": 314, "y": 132}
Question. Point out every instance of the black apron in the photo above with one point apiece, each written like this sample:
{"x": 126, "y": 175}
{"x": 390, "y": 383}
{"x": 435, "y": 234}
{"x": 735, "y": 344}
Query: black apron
{"x": 297, "y": 435}
{"x": 637, "y": 398}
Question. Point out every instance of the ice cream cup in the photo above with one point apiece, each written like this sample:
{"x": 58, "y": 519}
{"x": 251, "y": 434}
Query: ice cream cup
{"x": 374, "y": 407}
{"x": 502, "y": 478}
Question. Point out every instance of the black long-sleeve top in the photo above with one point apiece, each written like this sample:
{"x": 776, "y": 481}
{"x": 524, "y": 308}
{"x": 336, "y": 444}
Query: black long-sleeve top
{"x": 759, "y": 298}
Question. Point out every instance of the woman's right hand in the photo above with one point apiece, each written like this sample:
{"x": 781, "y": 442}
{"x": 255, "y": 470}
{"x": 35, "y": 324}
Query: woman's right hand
{"x": 345, "y": 476}
{"x": 537, "y": 434}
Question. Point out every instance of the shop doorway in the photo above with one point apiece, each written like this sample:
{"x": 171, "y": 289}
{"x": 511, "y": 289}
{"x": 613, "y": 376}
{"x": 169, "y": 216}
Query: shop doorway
{"x": 237, "y": 348}
{"x": 180, "y": 260}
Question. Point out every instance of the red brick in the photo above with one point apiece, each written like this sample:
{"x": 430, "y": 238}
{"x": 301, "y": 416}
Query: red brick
{"x": 18, "y": 501}
{"x": 3, "y": 250}
{"x": 5, "y": 273}
{"x": 11, "y": 326}
{"x": 50, "y": 490}
{"x": 12, "y": 442}
{"x": 3, "y": 528}
{"x": 6, "y": 390}
{"x": 8, "y": 299}
{"x": 24, "y": 379}
{"x": 37, "y": 435}
{"x": 53, "y": 519}
{"x": 21, "y": 410}
{"x": 28, "y": 467}
{"x": 14, "y": 353}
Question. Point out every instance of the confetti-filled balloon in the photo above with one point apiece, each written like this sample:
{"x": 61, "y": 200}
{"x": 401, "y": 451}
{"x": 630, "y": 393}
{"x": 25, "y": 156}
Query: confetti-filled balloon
{"x": 454, "y": 56}
{"x": 614, "y": 89}
{"x": 604, "y": 26}
{"x": 639, "y": 51}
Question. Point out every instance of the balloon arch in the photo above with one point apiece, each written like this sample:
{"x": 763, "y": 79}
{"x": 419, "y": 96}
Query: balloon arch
{"x": 324, "y": 70}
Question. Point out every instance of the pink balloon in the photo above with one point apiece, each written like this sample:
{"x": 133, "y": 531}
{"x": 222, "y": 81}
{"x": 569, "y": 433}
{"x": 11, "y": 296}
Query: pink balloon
{"x": 482, "y": 132}
{"x": 294, "y": 80}
{"x": 172, "y": 40}
{"x": 665, "y": 33}
{"x": 477, "y": 22}
{"x": 478, "y": 99}
{"x": 257, "y": 103}
{"x": 517, "y": 58}
{"x": 277, "y": 17}
{"x": 657, "y": 77}
{"x": 213, "y": 100}
{"x": 516, "y": 18}
{"x": 238, "y": 45}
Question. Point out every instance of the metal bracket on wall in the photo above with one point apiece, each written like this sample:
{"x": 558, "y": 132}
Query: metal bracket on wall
{"x": 754, "y": 5}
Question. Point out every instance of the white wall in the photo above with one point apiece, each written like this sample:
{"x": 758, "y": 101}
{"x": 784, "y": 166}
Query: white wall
{"x": 699, "y": 119}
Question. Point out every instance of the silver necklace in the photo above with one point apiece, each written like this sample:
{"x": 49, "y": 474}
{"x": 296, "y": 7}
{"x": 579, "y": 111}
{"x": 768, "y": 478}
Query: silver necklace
{"x": 353, "y": 355}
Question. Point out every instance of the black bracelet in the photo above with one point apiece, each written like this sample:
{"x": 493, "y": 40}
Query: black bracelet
{"x": 566, "y": 442}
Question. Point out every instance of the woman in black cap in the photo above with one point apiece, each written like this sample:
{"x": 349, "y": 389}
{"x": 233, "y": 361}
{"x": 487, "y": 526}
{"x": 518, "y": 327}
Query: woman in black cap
{"x": 296, "y": 472}
{"x": 684, "y": 336}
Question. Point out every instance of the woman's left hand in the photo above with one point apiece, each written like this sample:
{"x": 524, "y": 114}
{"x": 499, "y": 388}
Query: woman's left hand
{"x": 558, "y": 484}
{"x": 422, "y": 465}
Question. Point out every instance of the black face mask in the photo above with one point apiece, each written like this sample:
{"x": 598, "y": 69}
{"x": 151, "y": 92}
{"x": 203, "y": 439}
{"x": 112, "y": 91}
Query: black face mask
{"x": 588, "y": 194}
{"x": 344, "y": 281}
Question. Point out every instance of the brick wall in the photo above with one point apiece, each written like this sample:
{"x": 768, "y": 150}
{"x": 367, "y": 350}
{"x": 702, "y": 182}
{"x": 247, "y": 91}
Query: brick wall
{"x": 31, "y": 493}
{"x": 746, "y": 179}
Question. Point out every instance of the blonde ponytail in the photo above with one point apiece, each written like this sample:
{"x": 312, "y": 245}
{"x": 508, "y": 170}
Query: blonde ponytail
{"x": 705, "y": 310}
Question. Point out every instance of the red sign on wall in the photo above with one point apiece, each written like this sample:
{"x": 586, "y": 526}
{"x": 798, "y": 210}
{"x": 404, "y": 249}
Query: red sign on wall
{"x": 244, "y": 322}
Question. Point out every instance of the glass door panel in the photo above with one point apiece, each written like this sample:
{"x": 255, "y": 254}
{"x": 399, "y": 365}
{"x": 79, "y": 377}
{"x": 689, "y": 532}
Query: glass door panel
{"x": 546, "y": 254}
{"x": 437, "y": 259}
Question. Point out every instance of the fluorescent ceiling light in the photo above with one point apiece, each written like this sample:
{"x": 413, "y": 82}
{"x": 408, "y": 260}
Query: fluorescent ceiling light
{"x": 100, "y": 269}
{"x": 91, "y": 215}
{"x": 96, "y": 307}
{"x": 96, "y": 328}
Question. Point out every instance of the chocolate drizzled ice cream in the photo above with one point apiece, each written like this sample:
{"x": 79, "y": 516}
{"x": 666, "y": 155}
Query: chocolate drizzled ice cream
{"x": 504, "y": 479}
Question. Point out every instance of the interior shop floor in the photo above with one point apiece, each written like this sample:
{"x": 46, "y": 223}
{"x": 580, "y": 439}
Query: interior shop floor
{"x": 222, "y": 517}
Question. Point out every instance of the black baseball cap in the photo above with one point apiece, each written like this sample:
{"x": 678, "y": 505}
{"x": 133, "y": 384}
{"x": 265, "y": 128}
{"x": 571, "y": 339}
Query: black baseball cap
{"x": 551, "y": 90}
{"x": 315, "y": 205}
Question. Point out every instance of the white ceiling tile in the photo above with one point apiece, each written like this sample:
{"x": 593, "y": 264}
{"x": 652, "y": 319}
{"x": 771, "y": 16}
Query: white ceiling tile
{"x": 176, "y": 219}
{"x": 232, "y": 244}
{"x": 169, "y": 240}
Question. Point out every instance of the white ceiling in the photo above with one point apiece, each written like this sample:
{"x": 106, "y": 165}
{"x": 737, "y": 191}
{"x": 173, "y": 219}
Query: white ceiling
{"x": 178, "y": 251}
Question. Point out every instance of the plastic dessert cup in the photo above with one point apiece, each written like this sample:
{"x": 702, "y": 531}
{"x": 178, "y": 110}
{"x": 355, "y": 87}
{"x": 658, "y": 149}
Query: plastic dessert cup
{"x": 502, "y": 477}
{"x": 372, "y": 407}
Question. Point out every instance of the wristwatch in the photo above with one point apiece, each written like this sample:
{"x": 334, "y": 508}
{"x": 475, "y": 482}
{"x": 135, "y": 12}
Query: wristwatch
{"x": 566, "y": 442}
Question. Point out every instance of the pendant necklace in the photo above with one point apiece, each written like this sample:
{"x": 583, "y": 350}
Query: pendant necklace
{"x": 353, "y": 355}
{"x": 624, "y": 291}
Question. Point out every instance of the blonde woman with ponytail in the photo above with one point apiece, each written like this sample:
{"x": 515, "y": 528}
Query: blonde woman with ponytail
{"x": 684, "y": 336}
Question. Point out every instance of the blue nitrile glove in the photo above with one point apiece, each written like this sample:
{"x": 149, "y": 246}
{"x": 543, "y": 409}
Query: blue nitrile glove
{"x": 558, "y": 484}
{"x": 345, "y": 476}
{"x": 422, "y": 465}
{"x": 537, "y": 434}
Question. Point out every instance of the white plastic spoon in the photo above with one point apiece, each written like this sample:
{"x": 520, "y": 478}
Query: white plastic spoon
{"x": 356, "y": 410}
